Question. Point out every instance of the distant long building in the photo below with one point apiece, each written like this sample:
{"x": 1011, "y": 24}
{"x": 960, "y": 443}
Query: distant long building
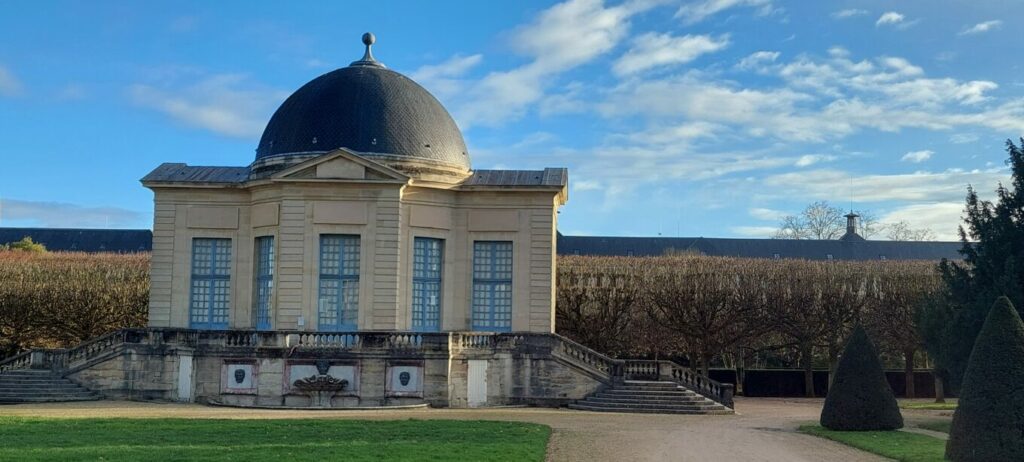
{"x": 83, "y": 240}
{"x": 850, "y": 247}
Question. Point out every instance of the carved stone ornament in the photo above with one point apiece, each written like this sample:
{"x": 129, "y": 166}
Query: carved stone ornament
{"x": 323, "y": 366}
{"x": 320, "y": 383}
{"x": 404, "y": 378}
{"x": 239, "y": 375}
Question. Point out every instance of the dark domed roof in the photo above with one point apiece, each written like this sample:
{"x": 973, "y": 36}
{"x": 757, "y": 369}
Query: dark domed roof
{"x": 367, "y": 108}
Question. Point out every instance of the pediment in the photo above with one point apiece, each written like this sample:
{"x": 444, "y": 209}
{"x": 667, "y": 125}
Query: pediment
{"x": 340, "y": 165}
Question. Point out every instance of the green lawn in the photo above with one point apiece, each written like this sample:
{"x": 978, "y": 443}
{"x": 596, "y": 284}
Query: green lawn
{"x": 902, "y": 446}
{"x": 39, "y": 439}
{"x": 937, "y": 425}
{"x": 931, "y": 406}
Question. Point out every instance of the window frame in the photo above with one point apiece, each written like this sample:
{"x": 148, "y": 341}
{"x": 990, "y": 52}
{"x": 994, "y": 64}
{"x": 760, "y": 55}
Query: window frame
{"x": 423, "y": 280}
{"x": 492, "y": 283}
{"x": 263, "y": 315}
{"x": 210, "y": 279}
{"x": 339, "y": 303}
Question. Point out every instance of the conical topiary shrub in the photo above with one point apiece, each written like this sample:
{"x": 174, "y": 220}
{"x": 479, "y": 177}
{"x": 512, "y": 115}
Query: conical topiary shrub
{"x": 988, "y": 424}
{"x": 860, "y": 398}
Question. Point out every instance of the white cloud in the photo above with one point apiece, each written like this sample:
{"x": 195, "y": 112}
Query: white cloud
{"x": 808, "y": 160}
{"x": 942, "y": 218}
{"x": 821, "y": 184}
{"x": 14, "y": 212}
{"x": 697, "y": 11}
{"x": 227, "y": 104}
{"x": 889, "y": 17}
{"x": 767, "y": 214}
{"x": 963, "y": 138}
{"x": 561, "y": 38}
{"x": 757, "y": 59}
{"x": 443, "y": 80}
{"x": 849, "y": 13}
{"x": 753, "y": 231}
{"x": 453, "y": 67}
{"x": 586, "y": 185}
{"x": 9, "y": 84}
{"x": 652, "y": 50}
{"x": 982, "y": 27}
{"x": 917, "y": 156}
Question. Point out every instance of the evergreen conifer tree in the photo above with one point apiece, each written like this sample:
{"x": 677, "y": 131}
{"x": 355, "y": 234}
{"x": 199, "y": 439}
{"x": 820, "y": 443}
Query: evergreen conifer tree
{"x": 860, "y": 398}
{"x": 988, "y": 424}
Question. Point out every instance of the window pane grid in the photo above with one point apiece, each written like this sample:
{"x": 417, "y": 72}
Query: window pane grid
{"x": 338, "y": 305}
{"x": 492, "y": 286}
{"x": 426, "y": 285}
{"x": 264, "y": 280}
{"x": 210, "y": 294}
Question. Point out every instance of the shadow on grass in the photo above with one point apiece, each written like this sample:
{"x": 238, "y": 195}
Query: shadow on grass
{"x": 901, "y": 446}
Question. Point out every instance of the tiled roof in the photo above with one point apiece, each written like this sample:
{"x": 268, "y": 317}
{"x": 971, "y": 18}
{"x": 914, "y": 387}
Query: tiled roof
{"x": 549, "y": 177}
{"x": 181, "y": 173}
{"x": 83, "y": 240}
{"x": 759, "y": 248}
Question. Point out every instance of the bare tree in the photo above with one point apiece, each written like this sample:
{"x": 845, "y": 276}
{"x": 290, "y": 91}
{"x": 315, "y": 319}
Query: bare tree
{"x": 902, "y": 231}
{"x": 818, "y": 221}
{"x": 868, "y": 224}
{"x": 791, "y": 227}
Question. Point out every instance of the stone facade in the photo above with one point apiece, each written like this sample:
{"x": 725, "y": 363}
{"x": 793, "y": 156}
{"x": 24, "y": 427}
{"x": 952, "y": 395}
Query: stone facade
{"x": 342, "y": 193}
{"x": 520, "y": 369}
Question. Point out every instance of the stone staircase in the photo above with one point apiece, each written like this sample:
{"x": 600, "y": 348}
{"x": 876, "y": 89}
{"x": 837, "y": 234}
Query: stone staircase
{"x": 39, "y": 386}
{"x": 653, "y": 397}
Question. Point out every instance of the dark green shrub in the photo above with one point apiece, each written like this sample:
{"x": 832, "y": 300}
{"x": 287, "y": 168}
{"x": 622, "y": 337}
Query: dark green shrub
{"x": 860, "y": 398}
{"x": 989, "y": 421}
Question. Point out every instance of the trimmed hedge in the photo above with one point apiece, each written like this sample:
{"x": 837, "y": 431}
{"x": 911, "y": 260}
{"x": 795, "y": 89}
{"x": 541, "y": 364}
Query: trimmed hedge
{"x": 860, "y": 398}
{"x": 988, "y": 424}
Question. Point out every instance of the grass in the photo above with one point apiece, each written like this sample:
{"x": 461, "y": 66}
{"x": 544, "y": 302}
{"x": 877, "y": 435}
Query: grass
{"x": 41, "y": 439}
{"x": 947, "y": 406}
{"x": 937, "y": 425}
{"x": 901, "y": 446}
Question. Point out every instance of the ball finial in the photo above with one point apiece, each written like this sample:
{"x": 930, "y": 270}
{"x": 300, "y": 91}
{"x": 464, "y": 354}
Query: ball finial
{"x": 368, "y": 39}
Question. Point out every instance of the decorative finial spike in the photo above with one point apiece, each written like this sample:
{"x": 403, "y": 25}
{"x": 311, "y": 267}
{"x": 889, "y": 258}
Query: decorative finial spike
{"x": 368, "y": 59}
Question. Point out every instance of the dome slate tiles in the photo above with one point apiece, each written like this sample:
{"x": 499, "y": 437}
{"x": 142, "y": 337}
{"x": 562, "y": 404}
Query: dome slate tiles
{"x": 369, "y": 109}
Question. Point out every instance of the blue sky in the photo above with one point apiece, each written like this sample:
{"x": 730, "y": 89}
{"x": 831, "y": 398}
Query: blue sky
{"x": 693, "y": 118}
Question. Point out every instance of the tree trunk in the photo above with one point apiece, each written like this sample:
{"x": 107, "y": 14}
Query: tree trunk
{"x": 806, "y": 352}
{"x": 908, "y": 371}
{"x": 741, "y": 364}
{"x": 705, "y": 364}
{"x": 833, "y": 363}
{"x": 940, "y": 388}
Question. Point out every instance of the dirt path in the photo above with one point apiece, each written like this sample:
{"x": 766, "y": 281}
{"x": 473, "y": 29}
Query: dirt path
{"x": 764, "y": 431}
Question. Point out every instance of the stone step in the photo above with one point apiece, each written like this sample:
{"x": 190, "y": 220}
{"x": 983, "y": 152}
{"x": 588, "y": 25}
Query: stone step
{"x": 616, "y": 399}
{"x": 635, "y": 388}
{"x": 644, "y": 410}
{"x": 653, "y": 394}
{"x": 34, "y": 383}
{"x": 38, "y": 386}
{"x": 710, "y": 405}
{"x": 47, "y": 399}
{"x": 79, "y": 391}
{"x": 62, "y": 386}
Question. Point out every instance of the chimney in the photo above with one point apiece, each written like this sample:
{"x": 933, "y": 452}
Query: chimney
{"x": 851, "y": 228}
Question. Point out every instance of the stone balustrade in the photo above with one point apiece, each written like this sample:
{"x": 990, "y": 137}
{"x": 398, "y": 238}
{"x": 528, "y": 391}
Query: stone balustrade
{"x": 402, "y": 344}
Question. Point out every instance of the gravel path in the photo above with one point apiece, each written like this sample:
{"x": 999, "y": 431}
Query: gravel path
{"x": 763, "y": 431}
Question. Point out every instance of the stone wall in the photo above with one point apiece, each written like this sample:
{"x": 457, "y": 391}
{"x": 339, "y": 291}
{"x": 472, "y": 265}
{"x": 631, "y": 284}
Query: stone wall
{"x": 521, "y": 369}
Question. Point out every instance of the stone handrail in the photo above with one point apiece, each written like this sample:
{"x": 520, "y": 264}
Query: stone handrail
{"x": 65, "y": 359}
{"x": 17, "y": 362}
{"x": 589, "y": 357}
